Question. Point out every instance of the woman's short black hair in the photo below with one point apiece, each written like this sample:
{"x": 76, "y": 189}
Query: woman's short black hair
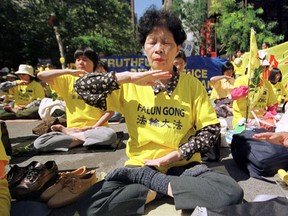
{"x": 102, "y": 64}
{"x": 88, "y": 52}
{"x": 273, "y": 73}
{"x": 160, "y": 18}
{"x": 181, "y": 54}
{"x": 227, "y": 66}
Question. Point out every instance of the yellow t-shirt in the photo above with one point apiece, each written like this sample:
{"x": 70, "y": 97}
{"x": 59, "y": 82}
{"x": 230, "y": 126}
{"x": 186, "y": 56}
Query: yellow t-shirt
{"x": 79, "y": 114}
{"x": 24, "y": 94}
{"x": 221, "y": 89}
{"x": 267, "y": 98}
{"x": 238, "y": 66}
{"x": 279, "y": 91}
{"x": 5, "y": 198}
{"x": 3, "y": 156}
{"x": 158, "y": 124}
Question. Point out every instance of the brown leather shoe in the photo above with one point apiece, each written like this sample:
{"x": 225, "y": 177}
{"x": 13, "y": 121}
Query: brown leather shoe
{"x": 37, "y": 179}
{"x": 72, "y": 191}
{"x": 65, "y": 178}
{"x": 16, "y": 174}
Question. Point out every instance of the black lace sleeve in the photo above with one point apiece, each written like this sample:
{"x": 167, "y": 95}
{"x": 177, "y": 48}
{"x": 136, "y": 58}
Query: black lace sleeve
{"x": 95, "y": 87}
{"x": 202, "y": 141}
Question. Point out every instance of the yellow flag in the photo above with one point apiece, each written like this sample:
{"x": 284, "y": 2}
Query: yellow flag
{"x": 255, "y": 71}
{"x": 254, "y": 61}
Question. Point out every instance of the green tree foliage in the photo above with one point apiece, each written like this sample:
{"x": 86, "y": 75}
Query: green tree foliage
{"x": 193, "y": 14}
{"x": 234, "y": 23}
{"x": 26, "y": 35}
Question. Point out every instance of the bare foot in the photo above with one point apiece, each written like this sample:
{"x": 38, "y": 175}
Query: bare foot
{"x": 58, "y": 127}
{"x": 68, "y": 131}
{"x": 78, "y": 136}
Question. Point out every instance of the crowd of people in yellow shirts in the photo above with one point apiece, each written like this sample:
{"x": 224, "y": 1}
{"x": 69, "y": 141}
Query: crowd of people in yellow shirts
{"x": 167, "y": 132}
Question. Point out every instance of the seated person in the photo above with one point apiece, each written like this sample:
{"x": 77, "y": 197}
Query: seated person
{"x": 4, "y": 87}
{"x": 275, "y": 78}
{"x": 27, "y": 95}
{"x": 102, "y": 67}
{"x": 261, "y": 100}
{"x": 222, "y": 86}
{"x": 180, "y": 61}
{"x": 86, "y": 125}
{"x": 168, "y": 124}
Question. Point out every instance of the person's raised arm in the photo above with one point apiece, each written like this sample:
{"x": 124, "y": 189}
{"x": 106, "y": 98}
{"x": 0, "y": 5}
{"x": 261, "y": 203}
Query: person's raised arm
{"x": 214, "y": 79}
{"x": 142, "y": 78}
{"x": 48, "y": 75}
{"x": 94, "y": 87}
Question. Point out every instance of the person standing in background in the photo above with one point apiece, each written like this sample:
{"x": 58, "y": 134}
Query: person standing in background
{"x": 238, "y": 63}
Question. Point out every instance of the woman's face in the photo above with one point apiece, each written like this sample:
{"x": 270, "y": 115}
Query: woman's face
{"x": 24, "y": 77}
{"x": 84, "y": 63}
{"x": 180, "y": 64}
{"x": 277, "y": 77}
{"x": 229, "y": 72}
{"x": 161, "y": 49}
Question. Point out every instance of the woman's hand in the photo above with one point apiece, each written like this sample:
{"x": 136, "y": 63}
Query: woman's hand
{"x": 164, "y": 161}
{"x": 147, "y": 78}
{"x": 22, "y": 82}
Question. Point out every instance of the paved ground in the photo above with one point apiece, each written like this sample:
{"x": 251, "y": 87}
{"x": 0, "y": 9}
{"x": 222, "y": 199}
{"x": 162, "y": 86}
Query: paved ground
{"x": 104, "y": 160}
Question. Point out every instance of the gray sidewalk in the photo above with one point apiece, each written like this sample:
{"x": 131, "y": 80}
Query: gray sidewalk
{"x": 106, "y": 159}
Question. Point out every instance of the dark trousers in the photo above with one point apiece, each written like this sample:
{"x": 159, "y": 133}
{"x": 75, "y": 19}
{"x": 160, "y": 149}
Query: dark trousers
{"x": 209, "y": 189}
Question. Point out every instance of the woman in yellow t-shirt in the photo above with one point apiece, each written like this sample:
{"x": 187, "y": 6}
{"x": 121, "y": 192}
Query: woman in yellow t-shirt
{"x": 238, "y": 64}
{"x": 86, "y": 125}
{"x": 275, "y": 79}
{"x": 27, "y": 93}
{"x": 222, "y": 86}
{"x": 170, "y": 120}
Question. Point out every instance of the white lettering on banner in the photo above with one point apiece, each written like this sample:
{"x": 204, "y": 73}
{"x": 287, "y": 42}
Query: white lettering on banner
{"x": 126, "y": 62}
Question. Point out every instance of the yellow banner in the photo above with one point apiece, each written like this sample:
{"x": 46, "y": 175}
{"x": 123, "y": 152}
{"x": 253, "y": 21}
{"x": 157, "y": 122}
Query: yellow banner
{"x": 277, "y": 56}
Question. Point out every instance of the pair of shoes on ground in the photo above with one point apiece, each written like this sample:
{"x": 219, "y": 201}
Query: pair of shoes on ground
{"x": 69, "y": 188}
{"x": 30, "y": 181}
